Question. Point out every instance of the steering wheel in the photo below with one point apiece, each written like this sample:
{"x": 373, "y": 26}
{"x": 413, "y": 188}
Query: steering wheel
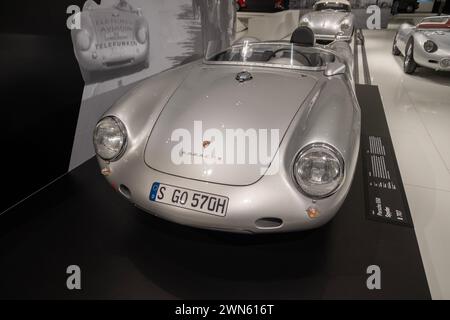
{"x": 289, "y": 49}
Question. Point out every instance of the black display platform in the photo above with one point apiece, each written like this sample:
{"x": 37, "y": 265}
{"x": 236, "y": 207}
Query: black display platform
{"x": 125, "y": 253}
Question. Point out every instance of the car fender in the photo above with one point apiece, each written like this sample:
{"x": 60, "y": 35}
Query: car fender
{"x": 332, "y": 106}
{"x": 139, "y": 111}
{"x": 404, "y": 33}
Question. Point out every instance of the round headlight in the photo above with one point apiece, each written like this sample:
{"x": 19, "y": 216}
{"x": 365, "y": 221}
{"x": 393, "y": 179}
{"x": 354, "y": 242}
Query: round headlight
{"x": 319, "y": 170}
{"x": 430, "y": 46}
{"x": 345, "y": 26}
{"x": 83, "y": 39}
{"x": 445, "y": 63}
{"x": 141, "y": 34}
{"x": 110, "y": 138}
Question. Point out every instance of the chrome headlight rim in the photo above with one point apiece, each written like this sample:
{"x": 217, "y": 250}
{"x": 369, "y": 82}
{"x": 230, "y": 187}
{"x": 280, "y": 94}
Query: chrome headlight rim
{"x": 328, "y": 148}
{"x": 432, "y": 46}
{"x": 344, "y": 26}
{"x": 445, "y": 63}
{"x": 124, "y": 132}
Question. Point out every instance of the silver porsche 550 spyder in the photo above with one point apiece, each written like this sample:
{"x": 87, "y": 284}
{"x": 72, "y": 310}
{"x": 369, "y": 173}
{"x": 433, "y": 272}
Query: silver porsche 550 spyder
{"x": 303, "y": 93}
{"x": 111, "y": 38}
{"x": 330, "y": 20}
{"x": 427, "y": 44}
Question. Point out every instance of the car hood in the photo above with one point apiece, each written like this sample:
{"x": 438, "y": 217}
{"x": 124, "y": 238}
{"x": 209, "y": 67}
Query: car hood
{"x": 440, "y": 37}
{"x": 211, "y": 96}
{"x": 320, "y": 21}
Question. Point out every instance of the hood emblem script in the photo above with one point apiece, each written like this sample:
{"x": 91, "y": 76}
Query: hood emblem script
{"x": 244, "y": 76}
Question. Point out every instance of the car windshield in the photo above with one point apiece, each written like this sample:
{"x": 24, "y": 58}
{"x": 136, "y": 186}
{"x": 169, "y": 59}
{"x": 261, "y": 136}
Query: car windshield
{"x": 275, "y": 54}
{"x": 333, "y": 6}
{"x": 439, "y": 22}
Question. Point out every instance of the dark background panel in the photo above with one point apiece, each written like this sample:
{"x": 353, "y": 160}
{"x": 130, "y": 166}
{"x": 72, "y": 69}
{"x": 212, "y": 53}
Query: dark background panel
{"x": 437, "y": 5}
{"x": 260, "y": 5}
{"x": 41, "y": 89}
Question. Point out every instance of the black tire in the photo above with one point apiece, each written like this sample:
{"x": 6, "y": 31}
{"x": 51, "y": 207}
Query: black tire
{"x": 410, "y": 9}
{"x": 395, "y": 50}
{"x": 351, "y": 37}
{"x": 409, "y": 65}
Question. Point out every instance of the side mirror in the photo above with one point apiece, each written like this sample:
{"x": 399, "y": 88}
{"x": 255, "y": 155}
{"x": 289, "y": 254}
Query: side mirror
{"x": 335, "y": 68}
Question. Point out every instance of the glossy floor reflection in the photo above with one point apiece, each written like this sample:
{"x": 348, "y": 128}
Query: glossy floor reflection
{"x": 418, "y": 113}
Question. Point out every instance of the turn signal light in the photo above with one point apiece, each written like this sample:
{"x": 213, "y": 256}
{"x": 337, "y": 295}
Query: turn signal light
{"x": 106, "y": 171}
{"x": 312, "y": 212}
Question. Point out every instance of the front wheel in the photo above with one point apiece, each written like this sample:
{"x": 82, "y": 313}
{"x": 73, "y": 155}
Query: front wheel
{"x": 351, "y": 36}
{"x": 409, "y": 65}
{"x": 395, "y": 50}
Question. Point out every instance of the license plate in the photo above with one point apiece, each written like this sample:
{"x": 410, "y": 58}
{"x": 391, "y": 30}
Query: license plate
{"x": 189, "y": 199}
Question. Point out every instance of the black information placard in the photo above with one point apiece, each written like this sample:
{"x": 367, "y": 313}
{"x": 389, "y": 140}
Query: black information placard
{"x": 384, "y": 190}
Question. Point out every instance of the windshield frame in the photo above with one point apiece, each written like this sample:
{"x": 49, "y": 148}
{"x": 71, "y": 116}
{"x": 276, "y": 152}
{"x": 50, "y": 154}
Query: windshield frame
{"x": 437, "y": 25}
{"x": 348, "y": 6}
{"x": 271, "y": 65}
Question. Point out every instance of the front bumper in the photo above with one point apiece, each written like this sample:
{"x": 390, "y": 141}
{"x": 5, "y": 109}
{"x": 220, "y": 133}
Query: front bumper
{"x": 438, "y": 65}
{"x": 111, "y": 58}
{"x": 438, "y": 60}
{"x": 271, "y": 197}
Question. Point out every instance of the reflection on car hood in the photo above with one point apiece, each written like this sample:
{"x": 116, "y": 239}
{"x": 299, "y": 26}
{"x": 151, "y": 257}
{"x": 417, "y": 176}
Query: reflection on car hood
{"x": 326, "y": 19}
{"x": 212, "y": 95}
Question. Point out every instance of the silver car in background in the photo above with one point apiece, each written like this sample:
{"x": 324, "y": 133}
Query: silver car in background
{"x": 111, "y": 38}
{"x": 304, "y": 92}
{"x": 330, "y": 20}
{"x": 426, "y": 44}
